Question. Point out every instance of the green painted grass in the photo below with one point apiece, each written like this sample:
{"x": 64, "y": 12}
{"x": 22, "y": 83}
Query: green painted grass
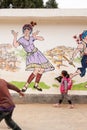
{"x": 80, "y": 86}
{"x": 21, "y": 84}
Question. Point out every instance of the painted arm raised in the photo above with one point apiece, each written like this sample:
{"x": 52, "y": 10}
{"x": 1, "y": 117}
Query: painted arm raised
{"x": 35, "y": 35}
{"x": 15, "y": 34}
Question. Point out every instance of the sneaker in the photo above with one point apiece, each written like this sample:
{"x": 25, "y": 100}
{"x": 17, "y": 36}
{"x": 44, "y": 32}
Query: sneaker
{"x": 56, "y": 105}
{"x": 71, "y": 107}
{"x": 39, "y": 89}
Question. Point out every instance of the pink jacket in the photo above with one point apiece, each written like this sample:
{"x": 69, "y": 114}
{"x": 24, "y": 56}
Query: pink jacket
{"x": 64, "y": 85}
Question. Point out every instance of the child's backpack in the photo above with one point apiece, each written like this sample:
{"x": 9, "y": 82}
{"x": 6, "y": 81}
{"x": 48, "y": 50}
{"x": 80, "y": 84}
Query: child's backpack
{"x": 62, "y": 88}
{"x": 70, "y": 83}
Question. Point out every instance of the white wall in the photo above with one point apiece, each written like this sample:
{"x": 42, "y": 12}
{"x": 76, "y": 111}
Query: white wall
{"x": 57, "y": 29}
{"x": 54, "y": 34}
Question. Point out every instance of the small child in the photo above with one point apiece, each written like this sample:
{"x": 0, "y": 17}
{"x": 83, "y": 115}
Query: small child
{"x": 7, "y": 105}
{"x": 64, "y": 87}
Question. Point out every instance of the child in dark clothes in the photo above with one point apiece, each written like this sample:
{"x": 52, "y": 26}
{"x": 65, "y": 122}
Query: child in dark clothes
{"x": 7, "y": 105}
{"x": 63, "y": 79}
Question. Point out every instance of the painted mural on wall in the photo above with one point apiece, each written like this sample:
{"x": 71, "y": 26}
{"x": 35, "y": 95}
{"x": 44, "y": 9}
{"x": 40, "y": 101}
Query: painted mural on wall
{"x": 35, "y": 59}
{"x": 8, "y": 58}
{"x": 29, "y": 64}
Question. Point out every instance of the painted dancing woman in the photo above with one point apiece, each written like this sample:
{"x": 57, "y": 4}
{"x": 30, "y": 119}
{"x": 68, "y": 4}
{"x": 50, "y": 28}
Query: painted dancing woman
{"x": 35, "y": 60}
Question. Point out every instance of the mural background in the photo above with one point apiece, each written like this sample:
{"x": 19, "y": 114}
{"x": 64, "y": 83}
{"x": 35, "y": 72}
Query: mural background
{"x": 58, "y": 34}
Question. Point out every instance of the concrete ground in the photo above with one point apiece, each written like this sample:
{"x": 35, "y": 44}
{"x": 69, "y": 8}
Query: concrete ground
{"x": 46, "y": 117}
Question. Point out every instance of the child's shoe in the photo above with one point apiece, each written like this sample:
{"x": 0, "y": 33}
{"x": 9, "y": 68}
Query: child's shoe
{"x": 56, "y": 105}
{"x": 71, "y": 107}
{"x": 38, "y": 88}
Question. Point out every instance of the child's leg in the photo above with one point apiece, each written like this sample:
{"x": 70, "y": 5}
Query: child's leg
{"x": 2, "y": 115}
{"x": 10, "y": 122}
{"x": 60, "y": 101}
{"x": 69, "y": 100}
{"x": 71, "y": 105}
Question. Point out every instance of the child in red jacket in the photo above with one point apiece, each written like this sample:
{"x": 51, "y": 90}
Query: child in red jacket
{"x": 64, "y": 87}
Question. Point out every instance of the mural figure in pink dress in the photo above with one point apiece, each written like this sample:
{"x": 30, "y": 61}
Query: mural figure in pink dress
{"x": 35, "y": 60}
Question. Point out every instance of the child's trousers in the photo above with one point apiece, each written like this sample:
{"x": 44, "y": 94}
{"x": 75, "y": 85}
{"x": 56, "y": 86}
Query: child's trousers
{"x": 65, "y": 95}
{"x": 7, "y": 116}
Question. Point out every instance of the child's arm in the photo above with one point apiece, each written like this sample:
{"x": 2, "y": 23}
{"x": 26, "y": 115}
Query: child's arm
{"x": 13, "y": 87}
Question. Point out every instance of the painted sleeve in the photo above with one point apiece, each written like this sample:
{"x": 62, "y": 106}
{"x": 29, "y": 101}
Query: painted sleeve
{"x": 20, "y": 40}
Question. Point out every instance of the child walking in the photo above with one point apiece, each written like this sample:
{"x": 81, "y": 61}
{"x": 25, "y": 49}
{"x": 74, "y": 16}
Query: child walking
{"x": 65, "y": 85}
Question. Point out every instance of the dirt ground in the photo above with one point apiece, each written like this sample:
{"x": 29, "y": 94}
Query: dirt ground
{"x": 47, "y": 117}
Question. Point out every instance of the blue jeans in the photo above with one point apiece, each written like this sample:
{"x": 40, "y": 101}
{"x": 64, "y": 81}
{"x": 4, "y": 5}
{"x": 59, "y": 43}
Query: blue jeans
{"x": 84, "y": 65}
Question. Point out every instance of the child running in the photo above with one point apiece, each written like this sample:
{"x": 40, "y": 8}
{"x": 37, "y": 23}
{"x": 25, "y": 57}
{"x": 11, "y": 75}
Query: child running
{"x": 65, "y": 85}
{"x": 7, "y": 105}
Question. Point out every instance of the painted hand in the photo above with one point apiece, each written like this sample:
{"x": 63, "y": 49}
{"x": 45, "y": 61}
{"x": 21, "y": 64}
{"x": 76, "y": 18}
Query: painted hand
{"x": 15, "y": 34}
